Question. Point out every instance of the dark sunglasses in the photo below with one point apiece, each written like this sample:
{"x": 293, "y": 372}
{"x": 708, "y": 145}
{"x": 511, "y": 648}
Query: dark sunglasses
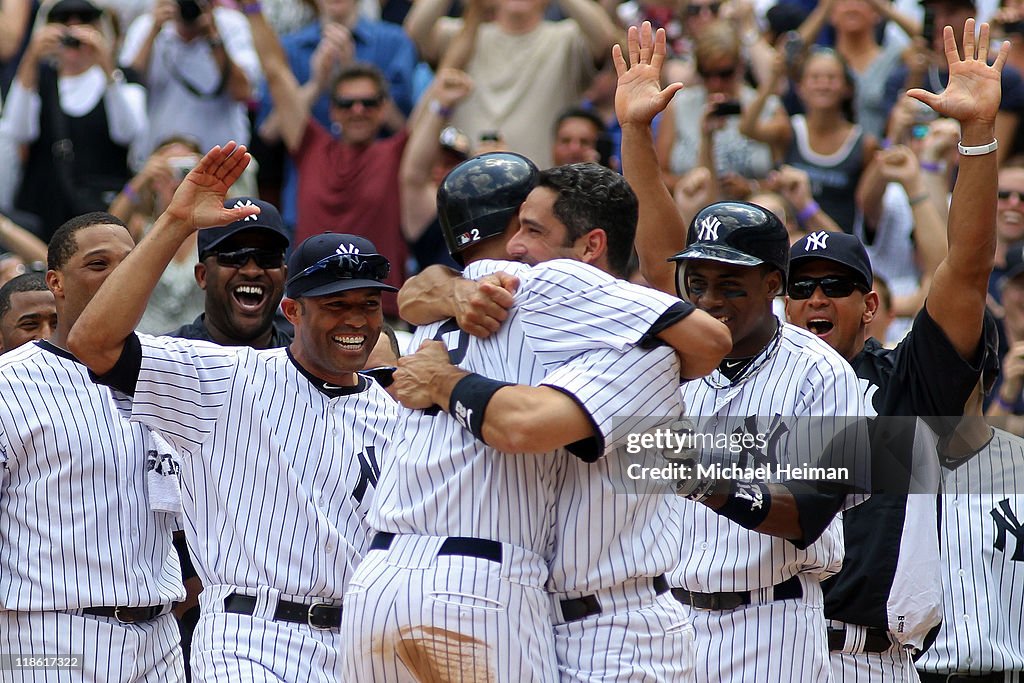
{"x": 694, "y": 10}
{"x": 1005, "y": 194}
{"x": 720, "y": 73}
{"x": 832, "y": 287}
{"x": 350, "y": 267}
{"x": 265, "y": 258}
{"x": 384, "y": 375}
{"x": 349, "y": 102}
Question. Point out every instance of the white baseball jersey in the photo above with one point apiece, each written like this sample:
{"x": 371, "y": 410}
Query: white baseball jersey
{"x": 796, "y": 376}
{"x": 76, "y": 525}
{"x": 277, "y": 471}
{"x": 442, "y": 481}
{"x": 604, "y": 535}
{"x": 983, "y": 563}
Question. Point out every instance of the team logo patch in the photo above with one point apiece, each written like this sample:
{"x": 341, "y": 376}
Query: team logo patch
{"x": 707, "y": 231}
{"x": 816, "y": 241}
{"x": 347, "y": 249}
{"x": 241, "y": 205}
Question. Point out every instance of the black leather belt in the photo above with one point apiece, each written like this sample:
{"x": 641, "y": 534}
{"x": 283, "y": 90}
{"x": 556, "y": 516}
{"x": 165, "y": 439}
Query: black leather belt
{"x": 481, "y": 548}
{"x": 318, "y": 616}
{"x": 991, "y": 677}
{"x": 789, "y": 589}
{"x": 875, "y": 640}
{"x": 128, "y": 615}
{"x": 588, "y": 605}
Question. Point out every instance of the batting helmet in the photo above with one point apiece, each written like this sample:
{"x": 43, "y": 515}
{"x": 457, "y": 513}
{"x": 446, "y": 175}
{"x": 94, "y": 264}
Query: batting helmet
{"x": 478, "y": 197}
{"x": 738, "y": 233}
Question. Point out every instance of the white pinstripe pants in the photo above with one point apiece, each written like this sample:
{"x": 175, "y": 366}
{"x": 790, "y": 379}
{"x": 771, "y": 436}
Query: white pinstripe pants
{"x": 410, "y": 615}
{"x": 112, "y": 652}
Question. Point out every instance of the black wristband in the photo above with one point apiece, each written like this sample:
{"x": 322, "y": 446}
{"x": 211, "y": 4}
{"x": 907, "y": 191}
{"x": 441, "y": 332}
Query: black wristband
{"x": 469, "y": 400}
{"x": 747, "y": 504}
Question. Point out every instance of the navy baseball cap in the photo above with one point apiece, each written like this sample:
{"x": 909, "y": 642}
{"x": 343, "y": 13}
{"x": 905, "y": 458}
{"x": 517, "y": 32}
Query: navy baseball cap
{"x": 1014, "y": 263}
{"x": 334, "y": 262}
{"x": 838, "y": 247}
{"x": 268, "y": 220}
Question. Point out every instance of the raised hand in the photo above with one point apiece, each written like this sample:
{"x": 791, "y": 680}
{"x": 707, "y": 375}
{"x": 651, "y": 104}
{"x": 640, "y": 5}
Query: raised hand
{"x": 973, "y": 93}
{"x": 199, "y": 200}
{"x": 639, "y": 96}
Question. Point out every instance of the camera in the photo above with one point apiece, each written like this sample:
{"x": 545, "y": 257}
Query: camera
{"x": 190, "y": 10}
{"x": 730, "y": 108}
{"x": 180, "y": 166}
{"x": 68, "y": 40}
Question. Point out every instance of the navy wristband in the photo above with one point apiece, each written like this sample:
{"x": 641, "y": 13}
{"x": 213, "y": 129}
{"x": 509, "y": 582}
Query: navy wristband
{"x": 747, "y": 504}
{"x": 469, "y": 400}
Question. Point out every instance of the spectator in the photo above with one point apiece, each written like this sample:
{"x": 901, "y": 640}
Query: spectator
{"x": 432, "y": 151}
{"x": 579, "y": 138}
{"x": 338, "y": 38}
{"x": 824, "y": 141}
{"x": 20, "y": 242}
{"x": 176, "y": 300}
{"x": 347, "y": 184}
{"x": 696, "y": 134}
{"x": 531, "y": 70}
{"x": 1009, "y": 224}
{"x": 198, "y": 63}
{"x": 72, "y": 108}
{"x": 27, "y": 311}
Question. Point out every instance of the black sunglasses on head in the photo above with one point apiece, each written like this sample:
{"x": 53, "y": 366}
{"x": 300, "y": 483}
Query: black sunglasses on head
{"x": 349, "y": 102}
{"x": 350, "y": 267}
{"x": 267, "y": 259}
{"x": 832, "y": 287}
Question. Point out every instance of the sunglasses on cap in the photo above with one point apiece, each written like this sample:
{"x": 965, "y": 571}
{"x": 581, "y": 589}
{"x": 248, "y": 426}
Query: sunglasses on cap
{"x": 1005, "y": 194}
{"x": 384, "y": 375}
{"x": 267, "y": 259}
{"x": 694, "y": 10}
{"x": 350, "y": 267}
{"x": 349, "y": 102}
{"x": 832, "y": 287}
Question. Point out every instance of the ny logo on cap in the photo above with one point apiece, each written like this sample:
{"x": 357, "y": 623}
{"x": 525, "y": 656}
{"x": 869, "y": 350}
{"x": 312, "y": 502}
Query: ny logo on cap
{"x": 240, "y": 204}
{"x": 816, "y": 241}
{"x": 708, "y": 230}
{"x": 347, "y": 249}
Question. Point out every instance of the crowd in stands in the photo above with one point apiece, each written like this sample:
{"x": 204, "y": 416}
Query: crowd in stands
{"x": 355, "y": 110}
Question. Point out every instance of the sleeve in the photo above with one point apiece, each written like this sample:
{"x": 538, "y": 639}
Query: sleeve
{"x": 237, "y": 36}
{"x": 399, "y": 70}
{"x": 484, "y": 267}
{"x": 20, "y": 120}
{"x": 928, "y": 369}
{"x": 182, "y": 387}
{"x": 134, "y": 38}
{"x": 620, "y": 392}
{"x": 126, "y": 111}
{"x": 568, "y": 308}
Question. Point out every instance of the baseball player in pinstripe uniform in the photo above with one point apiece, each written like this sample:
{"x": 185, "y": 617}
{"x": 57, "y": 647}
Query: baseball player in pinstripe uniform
{"x": 887, "y": 598}
{"x": 470, "y": 566}
{"x": 613, "y": 618}
{"x": 27, "y": 311}
{"x": 86, "y": 563}
{"x": 755, "y": 599}
{"x": 280, "y": 448}
{"x": 982, "y": 633}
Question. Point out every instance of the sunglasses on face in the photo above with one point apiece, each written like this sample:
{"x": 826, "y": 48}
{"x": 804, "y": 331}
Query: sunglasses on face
{"x": 1005, "y": 194}
{"x": 384, "y": 375}
{"x": 695, "y": 10}
{"x": 349, "y": 102}
{"x": 350, "y": 267}
{"x": 265, "y": 258}
{"x": 707, "y": 74}
{"x": 832, "y": 287}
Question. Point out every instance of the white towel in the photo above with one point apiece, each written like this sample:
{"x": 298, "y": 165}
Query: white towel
{"x": 162, "y": 470}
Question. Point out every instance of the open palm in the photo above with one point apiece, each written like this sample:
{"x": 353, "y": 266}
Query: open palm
{"x": 639, "y": 96}
{"x": 199, "y": 200}
{"x": 974, "y": 89}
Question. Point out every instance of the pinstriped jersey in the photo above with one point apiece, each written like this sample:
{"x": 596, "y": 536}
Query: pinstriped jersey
{"x": 803, "y": 377}
{"x": 76, "y": 528}
{"x": 442, "y": 482}
{"x": 982, "y": 533}
{"x": 277, "y": 475}
{"x": 605, "y": 535}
